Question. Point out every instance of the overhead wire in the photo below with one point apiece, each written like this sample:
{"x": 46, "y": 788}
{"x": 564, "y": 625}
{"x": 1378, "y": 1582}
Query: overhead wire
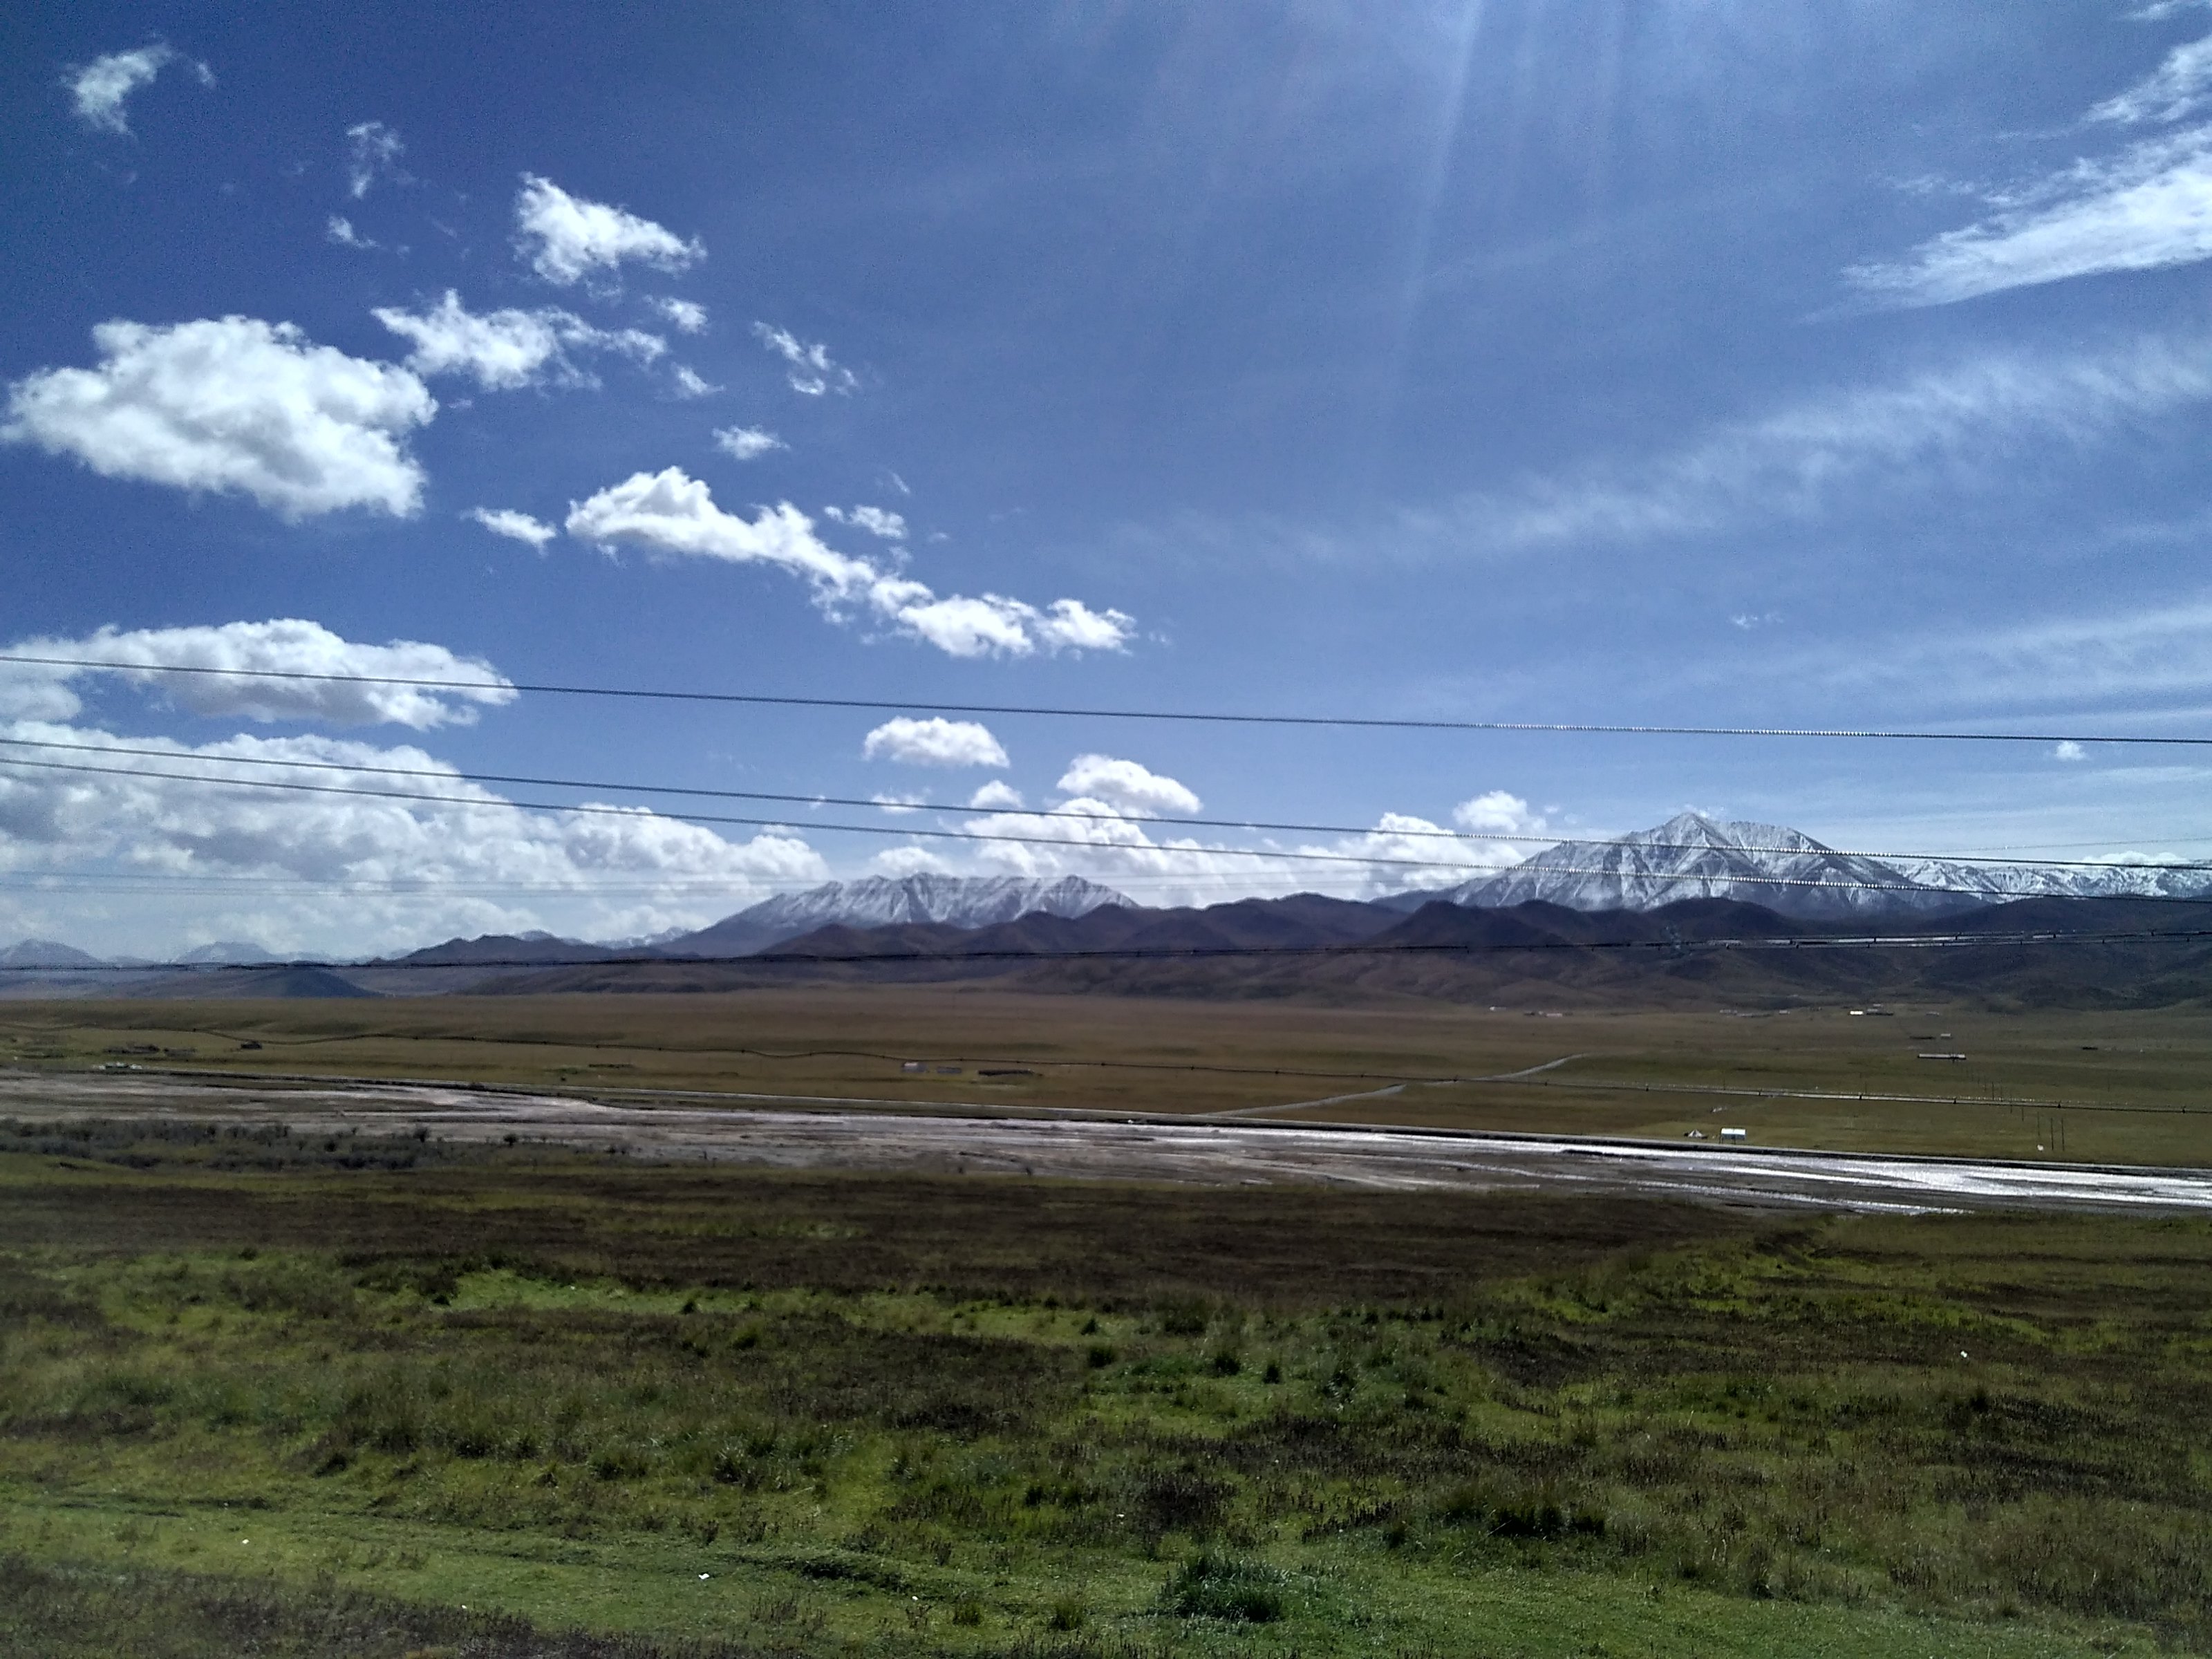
{"x": 1071, "y": 712}
{"x": 1431, "y": 833}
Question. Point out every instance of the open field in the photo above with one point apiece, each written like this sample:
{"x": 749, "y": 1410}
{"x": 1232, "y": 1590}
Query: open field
{"x": 246, "y": 1391}
{"x": 2090, "y": 1086}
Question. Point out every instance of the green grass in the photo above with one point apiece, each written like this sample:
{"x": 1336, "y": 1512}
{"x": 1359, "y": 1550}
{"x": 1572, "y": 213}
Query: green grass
{"x": 324, "y": 1408}
{"x": 2133, "y": 1082}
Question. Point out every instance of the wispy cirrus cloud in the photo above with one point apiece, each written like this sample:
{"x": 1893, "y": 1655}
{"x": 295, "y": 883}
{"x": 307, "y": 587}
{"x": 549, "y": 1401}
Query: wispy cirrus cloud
{"x": 2146, "y": 207}
{"x": 808, "y": 368}
{"x": 1793, "y": 462}
{"x": 372, "y": 152}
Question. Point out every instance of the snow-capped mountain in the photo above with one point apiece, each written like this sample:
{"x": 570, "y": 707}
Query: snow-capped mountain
{"x": 1692, "y": 856}
{"x": 886, "y": 900}
{"x": 2000, "y": 882}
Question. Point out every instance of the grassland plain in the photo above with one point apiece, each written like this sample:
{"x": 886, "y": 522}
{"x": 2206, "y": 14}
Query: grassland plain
{"x": 345, "y": 1395}
{"x": 2120, "y": 1087}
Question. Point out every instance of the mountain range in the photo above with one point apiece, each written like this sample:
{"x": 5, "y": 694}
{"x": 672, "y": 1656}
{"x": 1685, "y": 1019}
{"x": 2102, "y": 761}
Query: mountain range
{"x": 1692, "y": 856}
{"x": 892, "y": 902}
{"x": 1765, "y": 878}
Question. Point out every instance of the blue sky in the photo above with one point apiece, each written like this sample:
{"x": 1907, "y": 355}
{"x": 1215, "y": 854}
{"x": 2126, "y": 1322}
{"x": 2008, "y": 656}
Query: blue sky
{"x": 1709, "y": 364}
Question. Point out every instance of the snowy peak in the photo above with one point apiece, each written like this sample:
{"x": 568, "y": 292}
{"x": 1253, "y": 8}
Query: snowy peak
{"x": 956, "y": 901}
{"x": 1692, "y": 856}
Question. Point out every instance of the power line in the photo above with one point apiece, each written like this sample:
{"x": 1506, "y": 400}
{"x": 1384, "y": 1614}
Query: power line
{"x": 1303, "y": 856}
{"x": 451, "y": 775}
{"x": 1669, "y": 946}
{"x": 885, "y": 705}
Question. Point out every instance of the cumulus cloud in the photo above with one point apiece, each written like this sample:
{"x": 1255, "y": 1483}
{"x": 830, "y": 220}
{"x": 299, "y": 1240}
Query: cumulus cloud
{"x": 516, "y": 526}
{"x": 234, "y": 406}
{"x": 2144, "y": 208}
{"x": 339, "y": 229}
{"x": 238, "y": 653}
{"x": 2068, "y": 750}
{"x": 101, "y": 89}
{"x": 899, "y": 862}
{"x": 746, "y": 443}
{"x": 566, "y": 239}
{"x": 379, "y": 869}
{"x": 372, "y": 151}
{"x": 690, "y": 383}
{"x": 899, "y": 802}
{"x": 1496, "y": 812}
{"x": 807, "y": 368}
{"x": 887, "y": 526}
{"x": 507, "y": 349}
{"x": 997, "y": 794}
{"x": 933, "y": 741}
{"x": 669, "y": 512}
{"x": 1092, "y": 837}
{"x": 1124, "y": 784}
{"x": 687, "y": 316}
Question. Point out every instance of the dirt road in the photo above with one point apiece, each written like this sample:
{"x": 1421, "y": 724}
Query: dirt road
{"x": 783, "y": 1133}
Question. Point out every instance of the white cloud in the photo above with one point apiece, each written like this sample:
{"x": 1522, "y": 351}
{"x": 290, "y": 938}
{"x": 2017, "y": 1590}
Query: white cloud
{"x": 372, "y": 151}
{"x": 567, "y": 239}
{"x": 670, "y": 513}
{"x": 340, "y": 230}
{"x": 2068, "y": 750}
{"x": 507, "y": 349}
{"x": 2177, "y": 88}
{"x": 933, "y": 741}
{"x": 1106, "y": 844}
{"x": 747, "y": 443}
{"x": 899, "y": 802}
{"x": 806, "y": 367}
{"x": 898, "y": 861}
{"x": 997, "y": 794}
{"x": 101, "y": 88}
{"x": 2145, "y": 208}
{"x": 2072, "y": 662}
{"x": 1793, "y": 462}
{"x": 1127, "y": 786}
{"x": 1496, "y": 812}
{"x": 516, "y": 526}
{"x": 688, "y": 316}
{"x": 233, "y": 404}
{"x": 689, "y": 383}
{"x": 240, "y": 651}
{"x": 380, "y": 871}
{"x": 875, "y": 521}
